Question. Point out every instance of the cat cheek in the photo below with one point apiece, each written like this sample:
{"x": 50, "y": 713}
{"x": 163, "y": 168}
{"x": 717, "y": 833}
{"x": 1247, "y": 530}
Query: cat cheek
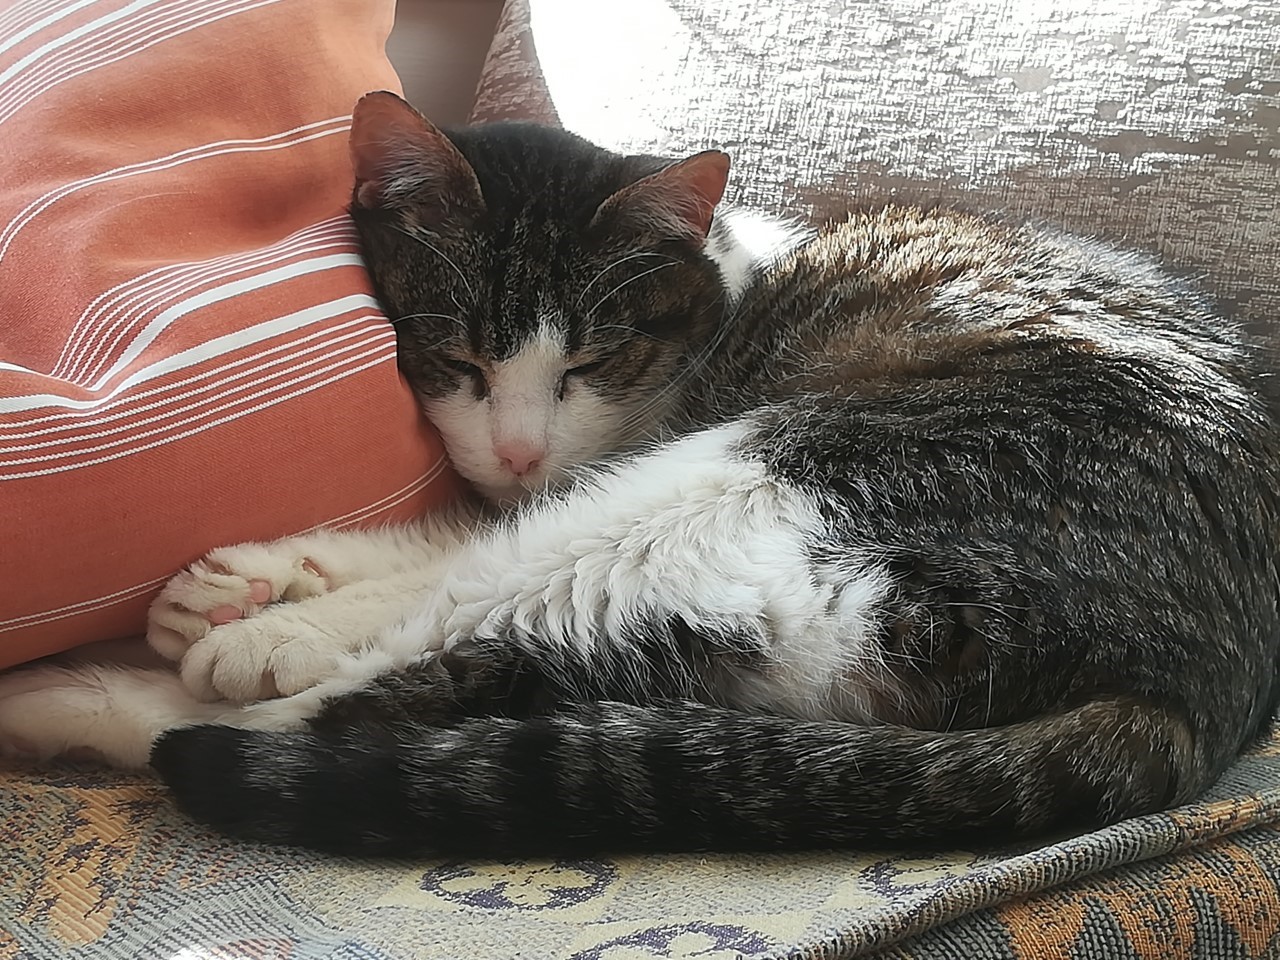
{"x": 463, "y": 425}
{"x": 587, "y": 425}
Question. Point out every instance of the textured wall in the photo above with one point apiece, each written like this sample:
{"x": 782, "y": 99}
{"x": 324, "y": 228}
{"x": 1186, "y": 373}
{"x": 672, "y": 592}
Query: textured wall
{"x": 1155, "y": 122}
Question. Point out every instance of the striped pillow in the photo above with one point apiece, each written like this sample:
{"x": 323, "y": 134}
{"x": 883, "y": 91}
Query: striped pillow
{"x": 189, "y": 353}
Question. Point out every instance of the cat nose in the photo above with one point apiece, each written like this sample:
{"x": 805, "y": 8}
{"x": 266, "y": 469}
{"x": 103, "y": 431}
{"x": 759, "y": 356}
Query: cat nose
{"x": 519, "y": 457}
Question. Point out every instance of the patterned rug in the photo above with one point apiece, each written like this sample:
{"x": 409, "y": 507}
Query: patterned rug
{"x": 98, "y": 866}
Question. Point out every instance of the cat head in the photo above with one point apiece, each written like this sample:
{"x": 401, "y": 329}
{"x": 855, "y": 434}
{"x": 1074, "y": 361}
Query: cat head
{"x": 548, "y": 296}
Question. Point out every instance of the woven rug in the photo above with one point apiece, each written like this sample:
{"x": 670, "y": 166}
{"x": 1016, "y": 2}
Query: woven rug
{"x": 98, "y": 866}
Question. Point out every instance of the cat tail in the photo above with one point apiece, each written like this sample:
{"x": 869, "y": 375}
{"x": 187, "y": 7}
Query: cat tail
{"x": 611, "y": 778}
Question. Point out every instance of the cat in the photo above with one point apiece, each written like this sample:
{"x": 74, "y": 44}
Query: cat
{"x": 916, "y": 526}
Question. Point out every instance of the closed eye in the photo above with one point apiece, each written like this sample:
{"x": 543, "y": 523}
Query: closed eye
{"x": 462, "y": 367}
{"x": 585, "y": 369}
{"x": 577, "y": 373}
{"x": 478, "y": 382}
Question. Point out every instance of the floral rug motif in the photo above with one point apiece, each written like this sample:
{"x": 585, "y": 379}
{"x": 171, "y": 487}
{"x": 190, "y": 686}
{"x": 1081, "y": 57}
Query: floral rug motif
{"x": 99, "y": 866}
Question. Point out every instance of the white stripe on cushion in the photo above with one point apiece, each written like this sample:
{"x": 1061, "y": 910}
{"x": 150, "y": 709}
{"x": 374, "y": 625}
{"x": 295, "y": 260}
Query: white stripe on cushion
{"x": 383, "y": 354}
{"x": 10, "y": 40}
{"x": 147, "y": 287}
{"x": 381, "y": 505}
{"x": 122, "y": 350}
{"x": 227, "y": 343}
{"x": 275, "y": 141}
{"x": 38, "y": 82}
{"x": 127, "y": 404}
{"x": 205, "y": 401}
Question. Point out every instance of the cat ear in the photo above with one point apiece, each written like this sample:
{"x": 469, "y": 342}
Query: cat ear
{"x": 676, "y": 202}
{"x": 403, "y": 161}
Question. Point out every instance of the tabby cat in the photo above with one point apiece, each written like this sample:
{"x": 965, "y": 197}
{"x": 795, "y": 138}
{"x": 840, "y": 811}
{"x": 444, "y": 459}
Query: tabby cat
{"x": 925, "y": 524}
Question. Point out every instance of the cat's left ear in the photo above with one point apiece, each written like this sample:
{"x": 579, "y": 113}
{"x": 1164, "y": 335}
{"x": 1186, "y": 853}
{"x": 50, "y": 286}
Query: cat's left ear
{"x": 403, "y": 161}
{"x": 676, "y": 203}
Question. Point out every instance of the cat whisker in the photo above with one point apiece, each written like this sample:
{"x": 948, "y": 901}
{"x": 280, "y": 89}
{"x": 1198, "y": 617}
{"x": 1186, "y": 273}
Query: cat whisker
{"x": 637, "y": 416}
{"x": 630, "y": 330}
{"x": 696, "y": 364}
{"x": 643, "y": 273}
{"x": 621, "y": 260}
{"x": 440, "y": 253}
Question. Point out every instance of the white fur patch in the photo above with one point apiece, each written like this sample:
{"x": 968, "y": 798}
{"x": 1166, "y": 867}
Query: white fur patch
{"x": 691, "y": 529}
{"x": 744, "y": 242}
{"x": 525, "y": 407}
{"x": 523, "y": 388}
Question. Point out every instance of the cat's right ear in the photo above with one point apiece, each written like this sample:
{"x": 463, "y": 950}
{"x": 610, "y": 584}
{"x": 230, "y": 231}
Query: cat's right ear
{"x": 403, "y": 162}
{"x": 676, "y": 203}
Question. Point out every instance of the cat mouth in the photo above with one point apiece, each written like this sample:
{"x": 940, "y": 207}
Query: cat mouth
{"x": 510, "y": 494}
{"x": 508, "y": 490}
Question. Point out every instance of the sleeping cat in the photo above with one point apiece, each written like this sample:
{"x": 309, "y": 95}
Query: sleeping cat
{"x": 925, "y": 525}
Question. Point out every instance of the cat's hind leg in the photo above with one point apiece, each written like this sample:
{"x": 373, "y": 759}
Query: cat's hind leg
{"x": 113, "y": 713}
{"x": 107, "y": 711}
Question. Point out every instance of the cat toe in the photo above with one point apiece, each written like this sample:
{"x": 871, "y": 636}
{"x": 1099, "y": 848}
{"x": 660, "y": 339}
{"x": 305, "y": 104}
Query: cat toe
{"x": 230, "y": 584}
{"x": 269, "y": 573}
{"x": 250, "y": 660}
{"x": 299, "y": 665}
{"x": 228, "y": 665}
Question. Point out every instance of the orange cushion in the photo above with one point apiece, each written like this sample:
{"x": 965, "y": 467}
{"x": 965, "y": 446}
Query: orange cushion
{"x": 189, "y": 352}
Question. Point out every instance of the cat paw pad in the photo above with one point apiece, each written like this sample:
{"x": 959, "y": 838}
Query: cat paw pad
{"x": 230, "y": 584}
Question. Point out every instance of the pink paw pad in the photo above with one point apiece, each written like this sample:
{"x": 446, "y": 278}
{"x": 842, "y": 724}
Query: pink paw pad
{"x": 224, "y": 614}
{"x": 259, "y": 593}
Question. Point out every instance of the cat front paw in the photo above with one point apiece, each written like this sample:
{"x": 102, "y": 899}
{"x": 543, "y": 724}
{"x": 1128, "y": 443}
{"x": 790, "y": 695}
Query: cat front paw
{"x": 229, "y": 584}
{"x": 277, "y": 653}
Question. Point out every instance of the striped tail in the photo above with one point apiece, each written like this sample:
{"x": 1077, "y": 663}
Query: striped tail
{"x": 612, "y": 778}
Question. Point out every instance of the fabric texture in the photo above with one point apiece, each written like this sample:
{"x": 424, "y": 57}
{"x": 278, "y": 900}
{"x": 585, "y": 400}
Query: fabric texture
{"x": 189, "y": 352}
{"x": 101, "y": 867}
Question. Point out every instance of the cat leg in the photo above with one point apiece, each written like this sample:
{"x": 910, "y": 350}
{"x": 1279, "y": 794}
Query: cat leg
{"x": 231, "y": 583}
{"x": 105, "y": 711}
{"x": 688, "y": 553}
{"x": 288, "y": 648}
{"x": 114, "y": 712}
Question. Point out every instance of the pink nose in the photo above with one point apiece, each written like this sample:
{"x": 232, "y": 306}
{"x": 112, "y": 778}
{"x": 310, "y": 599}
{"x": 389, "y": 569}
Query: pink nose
{"x": 519, "y": 457}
